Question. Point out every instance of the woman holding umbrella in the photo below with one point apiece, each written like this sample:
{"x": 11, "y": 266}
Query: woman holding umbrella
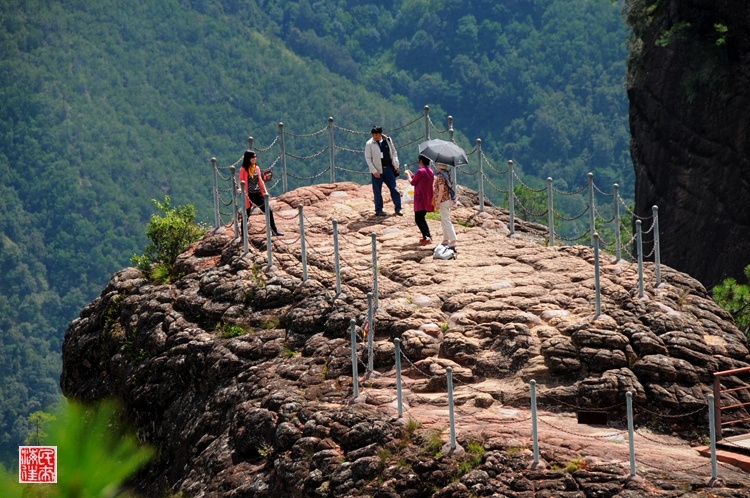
{"x": 443, "y": 199}
{"x": 445, "y": 154}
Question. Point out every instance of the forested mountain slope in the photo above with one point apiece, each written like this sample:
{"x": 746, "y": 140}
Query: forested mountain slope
{"x": 106, "y": 105}
{"x": 539, "y": 81}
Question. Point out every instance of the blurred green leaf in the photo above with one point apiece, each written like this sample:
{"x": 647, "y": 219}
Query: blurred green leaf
{"x": 96, "y": 455}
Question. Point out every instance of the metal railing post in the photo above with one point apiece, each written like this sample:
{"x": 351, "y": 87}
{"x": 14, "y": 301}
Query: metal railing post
{"x": 451, "y": 415}
{"x": 245, "y": 220}
{"x": 283, "y": 158}
{"x": 631, "y": 432}
{"x": 235, "y": 188}
{"x": 618, "y": 239}
{"x": 592, "y": 213}
{"x": 639, "y": 248}
{"x": 534, "y": 427}
{"x": 370, "y": 333}
{"x": 331, "y": 148}
{"x": 550, "y": 213}
{"x": 426, "y": 122}
{"x": 451, "y": 131}
{"x": 597, "y": 285}
{"x": 336, "y": 263}
{"x": 657, "y": 255}
{"x": 481, "y": 176}
{"x": 303, "y": 243}
{"x": 376, "y": 304}
{"x": 269, "y": 243}
{"x": 250, "y": 141}
{"x": 712, "y": 433}
{"x": 511, "y": 194}
{"x": 397, "y": 343}
{"x": 217, "y": 221}
{"x": 355, "y": 374}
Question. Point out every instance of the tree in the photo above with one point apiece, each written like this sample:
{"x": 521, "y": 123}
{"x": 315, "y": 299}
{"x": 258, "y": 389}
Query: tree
{"x": 170, "y": 235}
{"x": 38, "y": 420}
{"x": 735, "y": 299}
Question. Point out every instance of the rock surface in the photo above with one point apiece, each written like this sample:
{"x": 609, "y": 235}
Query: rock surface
{"x": 241, "y": 375}
{"x": 689, "y": 92}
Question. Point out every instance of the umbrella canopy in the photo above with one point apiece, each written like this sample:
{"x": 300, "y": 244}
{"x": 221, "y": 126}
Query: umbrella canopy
{"x": 441, "y": 151}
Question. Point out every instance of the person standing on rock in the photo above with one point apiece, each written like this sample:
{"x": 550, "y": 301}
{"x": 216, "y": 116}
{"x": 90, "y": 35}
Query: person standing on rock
{"x": 255, "y": 188}
{"x": 423, "y": 196}
{"x": 382, "y": 160}
{"x": 444, "y": 199}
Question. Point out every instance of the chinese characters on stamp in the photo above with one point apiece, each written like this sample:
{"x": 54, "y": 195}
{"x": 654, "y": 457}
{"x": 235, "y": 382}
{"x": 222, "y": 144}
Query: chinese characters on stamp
{"x": 37, "y": 464}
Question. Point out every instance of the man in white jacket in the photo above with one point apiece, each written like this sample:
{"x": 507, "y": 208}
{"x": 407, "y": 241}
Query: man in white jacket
{"x": 382, "y": 159}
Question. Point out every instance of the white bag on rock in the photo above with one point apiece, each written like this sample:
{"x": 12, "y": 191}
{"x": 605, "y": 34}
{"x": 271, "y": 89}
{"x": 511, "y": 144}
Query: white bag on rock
{"x": 407, "y": 196}
{"x": 444, "y": 252}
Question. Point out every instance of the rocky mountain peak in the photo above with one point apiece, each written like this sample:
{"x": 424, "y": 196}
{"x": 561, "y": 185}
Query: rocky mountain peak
{"x": 240, "y": 373}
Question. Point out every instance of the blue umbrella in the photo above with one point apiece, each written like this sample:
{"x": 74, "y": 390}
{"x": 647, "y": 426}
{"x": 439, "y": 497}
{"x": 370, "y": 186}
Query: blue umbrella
{"x": 442, "y": 151}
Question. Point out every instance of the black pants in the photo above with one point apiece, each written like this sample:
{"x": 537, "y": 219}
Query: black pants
{"x": 259, "y": 201}
{"x": 419, "y": 217}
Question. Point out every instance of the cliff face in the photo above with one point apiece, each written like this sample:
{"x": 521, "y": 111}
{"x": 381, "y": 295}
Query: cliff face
{"x": 270, "y": 412}
{"x": 689, "y": 90}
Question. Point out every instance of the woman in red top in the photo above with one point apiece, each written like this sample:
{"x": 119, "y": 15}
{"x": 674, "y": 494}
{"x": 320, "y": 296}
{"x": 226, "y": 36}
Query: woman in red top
{"x": 255, "y": 189}
{"x": 422, "y": 182}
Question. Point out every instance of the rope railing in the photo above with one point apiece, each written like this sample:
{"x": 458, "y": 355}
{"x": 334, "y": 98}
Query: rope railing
{"x": 603, "y": 214}
{"x": 488, "y": 163}
{"x": 617, "y": 436}
{"x": 355, "y": 246}
{"x": 358, "y": 244}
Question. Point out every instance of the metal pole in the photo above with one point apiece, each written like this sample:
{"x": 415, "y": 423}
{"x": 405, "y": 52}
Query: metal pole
{"x": 234, "y": 201}
{"x": 639, "y": 248}
{"x": 269, "y": 244}
{"x": 355, "y": 375}
{"x": 397, "y": 343}
{"x": 331, "y": 149}
{"x": 337, "y": 267}
{"x": 481, "y": 176}
{"x": 283, "y": 157}
{"x": 631, "y": 435}
{"x": 370, "y": 333}
{"x": 657, "y": 255}
{"x": 592, "y": 213}
{"x": 216, "y": 193}
{"x": 534, "y": 428}
{"x": 375, "y": 270}
{"x": 450, "y": 129}
{"x": 426, "y": 122}
{"x": 550, "y": 213}
{"x": 712, "y": 432}
{"x": 511, "y": 194}
{"x": 618, "y": 239}
{"x": 597, "y": 284}
{"x": 245, "y": 220}
{"x": 449, "y": 375}
{"x": 250, "y": 141}
{"x": 303, "y": 243}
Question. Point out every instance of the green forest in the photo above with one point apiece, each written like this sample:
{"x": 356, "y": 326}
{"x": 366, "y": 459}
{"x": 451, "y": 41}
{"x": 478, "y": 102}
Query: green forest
{"x": 108, "y": 105}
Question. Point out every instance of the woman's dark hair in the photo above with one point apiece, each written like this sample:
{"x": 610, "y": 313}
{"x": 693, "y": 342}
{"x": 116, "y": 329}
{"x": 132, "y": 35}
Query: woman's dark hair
{"x": 249, "y": 154}
{"x": 424, "y": 160}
